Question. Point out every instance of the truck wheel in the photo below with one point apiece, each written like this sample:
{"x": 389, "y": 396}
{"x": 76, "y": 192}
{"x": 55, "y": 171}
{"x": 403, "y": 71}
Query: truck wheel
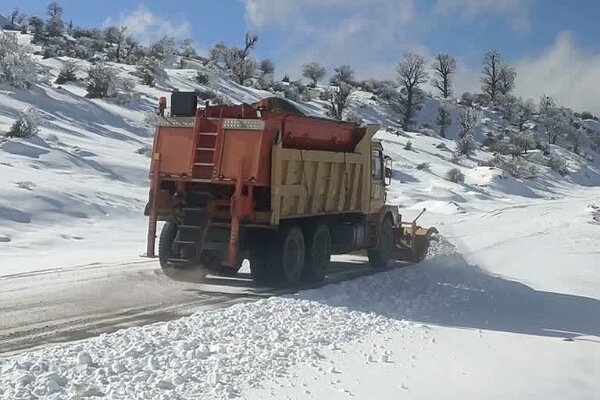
{"x": 288, "y": 257}
{"x": 165, "y": 243}
{"x": 379, "y": 257}
{"x": 318, "y": 253}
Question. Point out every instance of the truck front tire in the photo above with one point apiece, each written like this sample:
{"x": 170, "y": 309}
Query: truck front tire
{"x": 318, "y": 253}
{"x": 379, "y": 257}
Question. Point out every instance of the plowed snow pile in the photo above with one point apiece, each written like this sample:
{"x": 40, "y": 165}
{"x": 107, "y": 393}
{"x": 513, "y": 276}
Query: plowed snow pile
{"x": 208, "y": 355}
{"x": 216, "y": 354}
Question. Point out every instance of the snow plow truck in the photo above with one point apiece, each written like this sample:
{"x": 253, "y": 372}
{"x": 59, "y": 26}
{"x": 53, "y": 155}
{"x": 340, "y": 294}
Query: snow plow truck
{"x": 266, "y": 183}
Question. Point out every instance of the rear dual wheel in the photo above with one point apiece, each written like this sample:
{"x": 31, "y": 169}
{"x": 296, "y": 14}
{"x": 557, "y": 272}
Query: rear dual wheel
{"x": 318, "y": 253}
{"x": 296, "y": 256}
{"x": 281, "y": 261}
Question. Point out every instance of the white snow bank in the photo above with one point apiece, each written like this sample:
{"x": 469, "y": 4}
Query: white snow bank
{"x": 207, "y": 355}
{"x": 220, "y": 354}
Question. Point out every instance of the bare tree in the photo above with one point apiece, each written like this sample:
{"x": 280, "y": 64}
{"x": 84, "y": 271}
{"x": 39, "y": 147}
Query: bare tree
{"x": 411, "y": 75}
{"x": 243, "y": 66}
{"x": 314, "y": 71}
{"x": 443, "y": 119}
{"x": 338, "y": 100}
{"x": 467, "y": 121}
{"x": 116, "y": 37}
{"x": 507, "y": 78}
{"x": 55, "y": 25}
{"x": 342, "y": 74}
{"x": 523, "y": 112}
{"x": 444, "y": 66}
{"x": 490, "y": 72}
{"x": 14, "y": 16}
{"x": 549, "y": 118}
{"x": 187, "y": 49}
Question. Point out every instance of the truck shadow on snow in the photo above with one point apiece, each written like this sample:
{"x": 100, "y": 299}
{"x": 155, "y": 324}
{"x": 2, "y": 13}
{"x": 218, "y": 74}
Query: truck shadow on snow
{"x": 448, "y": 291}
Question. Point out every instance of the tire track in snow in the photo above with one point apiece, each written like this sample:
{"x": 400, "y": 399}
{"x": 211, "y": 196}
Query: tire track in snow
{"x": 68, "y": 304}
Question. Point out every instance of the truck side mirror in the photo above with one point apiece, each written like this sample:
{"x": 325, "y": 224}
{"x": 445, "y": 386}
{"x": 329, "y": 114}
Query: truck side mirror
{"x": 388, "y": 171}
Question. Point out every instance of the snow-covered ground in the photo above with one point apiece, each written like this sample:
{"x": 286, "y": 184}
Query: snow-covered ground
{"x": 489, "y": 318}
{"x": 507, "y": 306}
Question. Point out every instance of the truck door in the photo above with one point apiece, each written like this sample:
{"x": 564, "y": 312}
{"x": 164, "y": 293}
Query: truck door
{"x": 377, "y": 181}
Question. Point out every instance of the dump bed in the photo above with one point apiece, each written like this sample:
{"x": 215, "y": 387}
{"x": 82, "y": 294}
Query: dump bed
{"x": 313, "y": 182}
{"x": 293, "y": 165}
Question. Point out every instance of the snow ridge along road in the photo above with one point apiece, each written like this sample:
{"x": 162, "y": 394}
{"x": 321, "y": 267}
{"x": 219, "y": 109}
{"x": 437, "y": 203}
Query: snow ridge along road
{"x": 66, "y": 304}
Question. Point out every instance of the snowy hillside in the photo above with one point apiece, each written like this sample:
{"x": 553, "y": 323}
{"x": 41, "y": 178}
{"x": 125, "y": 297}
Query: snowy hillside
{"x": 505, "y": 306}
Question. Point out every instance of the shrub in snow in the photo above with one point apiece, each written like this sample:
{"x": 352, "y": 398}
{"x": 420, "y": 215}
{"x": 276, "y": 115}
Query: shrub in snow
{"x": 67, "y": 73}
{"x": 26, "y": 125}
{"x": 454, "y": 175}
{"x": 145, "y": 150}
{"x": 264, "y": 82}
{"x": 558, "y": 164}
{"x": 339, "y": 100}
{"x": 267, "y": 66}
{"x": 523, "y": 141}
{"x": 516, "y": 166}
{"x": 424, "y": 166}
{"x": 101, "y": 81}
{"x": 27, "y": 185}
{"x": 443, "y": 119}
{"x": 427, "y": 132}
{"x": 206, "y": 94}
{"x": 57, "y": 47}
{"x": 52, "y": 138}
{"x": 465, "y": 146}
{"x": 202, "y": 78}
{"x": 163, "y": 51}
{"x": 352, "y": 117}
{"x": 314, "y": 71}
{"x": 408, "y": 145}
{"x": 291, "y": 92}
{"x": 17, "y": 69}
{"x": 467, "y": 120}
{"x": 150, "y": 70}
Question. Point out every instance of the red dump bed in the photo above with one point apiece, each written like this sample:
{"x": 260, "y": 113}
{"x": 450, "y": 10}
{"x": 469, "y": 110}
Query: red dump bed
{"x": 221, "y": 139}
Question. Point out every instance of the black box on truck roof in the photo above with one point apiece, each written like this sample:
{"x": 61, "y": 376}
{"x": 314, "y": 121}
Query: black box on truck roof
{"x": 184, "y": 104}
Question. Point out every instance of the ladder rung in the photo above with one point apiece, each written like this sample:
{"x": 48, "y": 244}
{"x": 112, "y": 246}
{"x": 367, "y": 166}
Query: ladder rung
{"x": 204, "y": 164}
{"x": 191, "y": 227}
{"x": 194, "y": 209}
{"x": 184, "y": 242}
{"x": 205, "y": 148}
{"x": 178, "y": 260}
{"x": 208, "y": 133}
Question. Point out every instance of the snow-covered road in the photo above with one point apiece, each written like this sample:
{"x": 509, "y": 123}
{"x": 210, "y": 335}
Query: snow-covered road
{"x": 72, "y": 303}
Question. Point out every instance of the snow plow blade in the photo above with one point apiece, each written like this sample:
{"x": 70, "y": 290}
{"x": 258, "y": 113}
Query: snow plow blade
{"x": 412, "y": 241}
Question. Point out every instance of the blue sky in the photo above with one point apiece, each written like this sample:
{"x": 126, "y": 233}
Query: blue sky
{"x": 545, "y": 39}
